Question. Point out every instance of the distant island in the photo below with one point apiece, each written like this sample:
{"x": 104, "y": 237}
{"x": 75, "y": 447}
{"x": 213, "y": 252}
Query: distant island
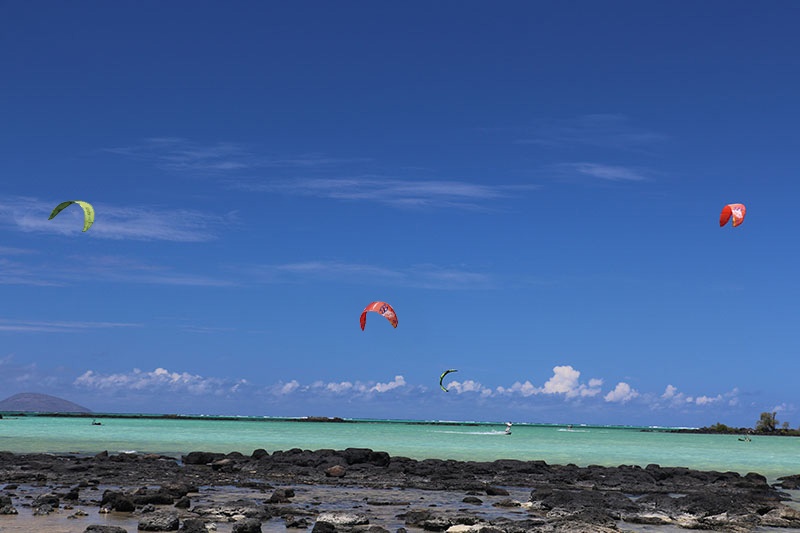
{"x": 25, "y": 402}
{"x": 767, "y": 424}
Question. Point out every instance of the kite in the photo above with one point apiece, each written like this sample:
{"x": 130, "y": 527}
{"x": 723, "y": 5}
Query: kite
{"x": 736, "y": 211}
{"x": 88, "y": 212}
{"x": 379, "y": 307}
{"x": 443, "y": 375}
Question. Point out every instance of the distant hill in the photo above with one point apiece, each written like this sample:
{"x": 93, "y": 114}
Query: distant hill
{"x": 43, "y": 403}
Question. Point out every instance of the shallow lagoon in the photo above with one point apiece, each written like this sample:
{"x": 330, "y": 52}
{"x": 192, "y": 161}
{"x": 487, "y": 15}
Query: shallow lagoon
{"x": 584, "y": 445}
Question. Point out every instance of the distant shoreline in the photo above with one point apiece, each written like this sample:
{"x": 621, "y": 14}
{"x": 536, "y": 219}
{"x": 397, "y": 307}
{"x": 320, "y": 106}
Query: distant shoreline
{"x": 334, "y": 419}
{"x": 723, "y": 430}
{"x": 741, "y": 432}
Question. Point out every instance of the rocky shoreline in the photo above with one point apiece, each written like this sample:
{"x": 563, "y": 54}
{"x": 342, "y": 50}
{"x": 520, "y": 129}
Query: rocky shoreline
{"x": 358, "y": 489}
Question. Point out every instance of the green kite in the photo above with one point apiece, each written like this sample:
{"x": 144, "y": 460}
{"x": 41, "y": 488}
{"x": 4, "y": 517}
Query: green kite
{"x": 88, "y": 212}
{"x": 441, "y": 378}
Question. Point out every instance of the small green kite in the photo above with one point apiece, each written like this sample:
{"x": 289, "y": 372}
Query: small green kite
{"x": 88, "y": 212}
{"x": 441, "y": 378}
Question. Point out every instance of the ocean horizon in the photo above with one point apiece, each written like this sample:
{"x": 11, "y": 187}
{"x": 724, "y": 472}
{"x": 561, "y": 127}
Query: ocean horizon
{"x": 333, "y": 419}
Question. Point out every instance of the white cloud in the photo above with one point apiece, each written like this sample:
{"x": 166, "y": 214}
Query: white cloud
{"x": 158, "y": 379}
{"x": 621, "y": 393}
{"x": 356, "y": 388}
{"x": 705, "y": 400}
{"x": 398, "y": 381}
{"x": 565, "y": 381}
{"x": 673, "y": 398}
{"x": 469, "y": 385}
{"x": 288, "y": 388}
{"x": 525, "y": 389}
{"x": 340, "y": 387}
{"x": 669, "y": 392}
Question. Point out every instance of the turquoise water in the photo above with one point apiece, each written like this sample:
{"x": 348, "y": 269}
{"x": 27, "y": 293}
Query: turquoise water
{"x": 609, "y": 446}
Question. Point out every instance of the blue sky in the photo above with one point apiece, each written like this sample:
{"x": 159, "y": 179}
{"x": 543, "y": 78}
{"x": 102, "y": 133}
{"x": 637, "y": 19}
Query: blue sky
{"x": 535, "y": 187}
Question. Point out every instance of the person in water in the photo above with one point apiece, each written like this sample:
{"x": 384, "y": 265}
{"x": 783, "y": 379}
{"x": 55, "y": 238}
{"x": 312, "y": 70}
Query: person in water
{"x": 508, "y": 428}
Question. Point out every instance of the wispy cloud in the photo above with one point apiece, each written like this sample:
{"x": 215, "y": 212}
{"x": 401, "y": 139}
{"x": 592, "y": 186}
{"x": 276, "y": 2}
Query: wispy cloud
{"x": 241, "y": 167}
{"x": 158, "y": 380}
{"x": 601, "y": 171}
{"x": 204, "y": 329}
{"x": 124, "y": 269}
{"x": 115, "y": 222}
{"x": 784, "y": 408}
{"x": 15, "y": 273}
{"x": 10, "y": 250}
{"x": 420, "y": 276}
{"x": 69, "y": 269}
{"x": 180, "y": 154}
{"x": 185, "y": 155}
{"x": 599, "y": 130}
{"x": 39, "y": 326}
{"x": 394, "y": 191}
{"x": 14, "y": 374}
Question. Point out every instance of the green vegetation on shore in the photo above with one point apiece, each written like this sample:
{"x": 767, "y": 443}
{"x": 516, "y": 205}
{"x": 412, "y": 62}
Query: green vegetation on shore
{"x": 767, "y": 424}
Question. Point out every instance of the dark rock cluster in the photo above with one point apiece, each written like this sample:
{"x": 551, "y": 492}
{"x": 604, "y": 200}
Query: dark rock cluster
{"x": 505, "y": 496}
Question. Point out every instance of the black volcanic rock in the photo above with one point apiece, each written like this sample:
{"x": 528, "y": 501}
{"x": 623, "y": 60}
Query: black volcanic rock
{"x": 563, "y": 498}
{"x": 41, "y": 403}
